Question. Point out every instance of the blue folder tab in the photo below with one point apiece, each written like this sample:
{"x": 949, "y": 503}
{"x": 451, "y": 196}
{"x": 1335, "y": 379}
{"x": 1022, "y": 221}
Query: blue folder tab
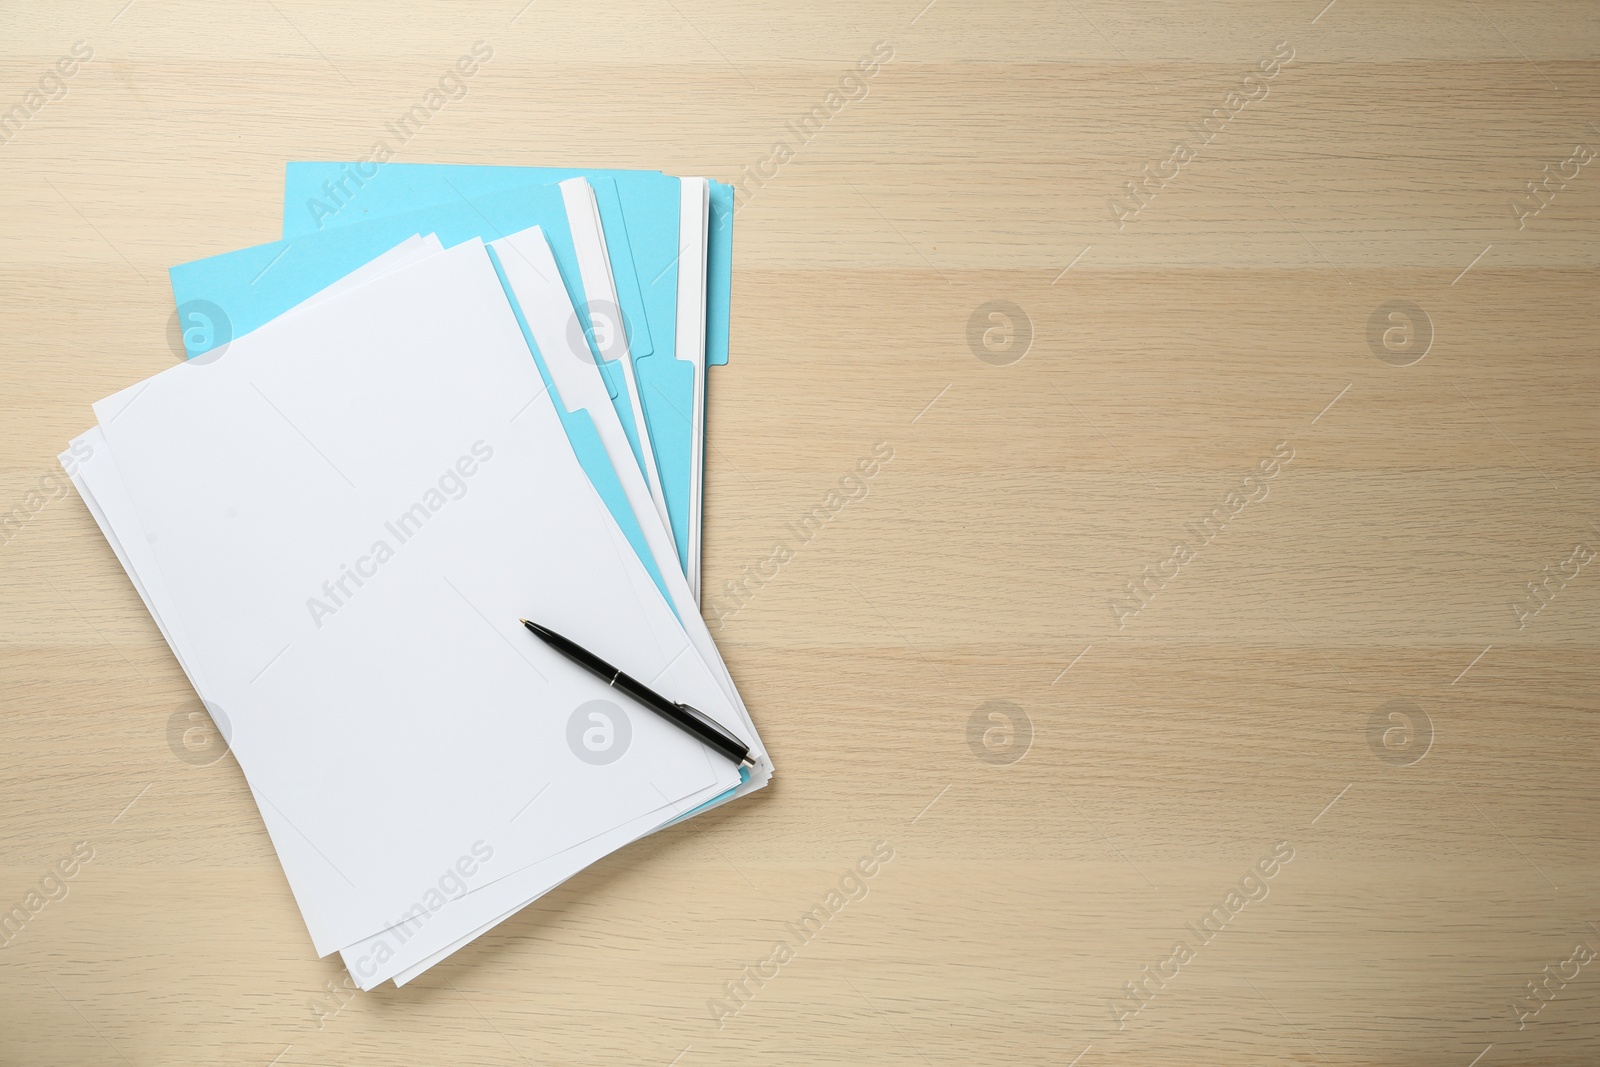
{"x": 719, "y": 274}
{"x": 643, "y": 217}
{"x": 310, "y": 188}
{"x": 250, "y": 287}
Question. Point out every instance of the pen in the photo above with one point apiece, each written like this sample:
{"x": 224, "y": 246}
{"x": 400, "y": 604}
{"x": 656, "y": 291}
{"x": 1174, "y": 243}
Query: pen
{"x": 690, "y": 720}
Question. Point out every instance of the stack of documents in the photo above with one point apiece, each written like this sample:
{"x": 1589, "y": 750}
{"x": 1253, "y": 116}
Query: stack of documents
{"x": 470, "y": 395}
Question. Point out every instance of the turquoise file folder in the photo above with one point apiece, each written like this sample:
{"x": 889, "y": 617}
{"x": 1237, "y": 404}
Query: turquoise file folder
{"x": 643, "y": 218}
{"x": 252, "y": 286}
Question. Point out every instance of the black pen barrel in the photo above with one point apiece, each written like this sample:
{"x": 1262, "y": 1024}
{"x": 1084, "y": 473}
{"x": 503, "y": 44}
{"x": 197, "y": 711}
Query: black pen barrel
{"x": 689, "y": 718}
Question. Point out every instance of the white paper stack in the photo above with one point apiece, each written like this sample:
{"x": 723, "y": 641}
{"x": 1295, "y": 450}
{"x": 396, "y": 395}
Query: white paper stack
{"x": 338, "y": 518}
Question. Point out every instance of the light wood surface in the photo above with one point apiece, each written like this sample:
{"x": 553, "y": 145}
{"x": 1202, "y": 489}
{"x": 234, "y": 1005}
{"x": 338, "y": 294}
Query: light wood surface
{"x": 1227, "y": 322}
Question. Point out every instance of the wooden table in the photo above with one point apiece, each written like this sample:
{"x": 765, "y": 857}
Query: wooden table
{"x": 1329, "y": 342}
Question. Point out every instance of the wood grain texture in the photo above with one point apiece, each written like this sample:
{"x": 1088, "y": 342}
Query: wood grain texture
{"x": 1169, "y": 749}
